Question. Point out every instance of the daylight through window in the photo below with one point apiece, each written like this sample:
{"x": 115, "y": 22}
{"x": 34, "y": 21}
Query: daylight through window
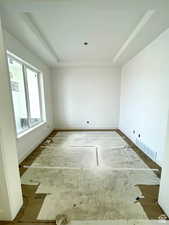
{"x": 26, "y": 94}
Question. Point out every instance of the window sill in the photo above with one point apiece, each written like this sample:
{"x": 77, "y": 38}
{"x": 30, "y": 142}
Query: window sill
{"x": 30, "y": 130}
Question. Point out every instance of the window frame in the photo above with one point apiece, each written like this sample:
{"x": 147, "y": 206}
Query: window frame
{"x": 26, "y": 66}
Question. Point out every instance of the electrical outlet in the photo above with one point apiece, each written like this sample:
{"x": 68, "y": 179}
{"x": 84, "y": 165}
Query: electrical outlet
{"x": 134, "y": 131}
{"x": 87, "y": 122}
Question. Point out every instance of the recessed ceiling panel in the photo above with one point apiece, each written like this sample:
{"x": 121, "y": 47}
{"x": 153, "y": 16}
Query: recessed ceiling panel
{"x": 68, "y": 28}
{"x": 58, "y": 29}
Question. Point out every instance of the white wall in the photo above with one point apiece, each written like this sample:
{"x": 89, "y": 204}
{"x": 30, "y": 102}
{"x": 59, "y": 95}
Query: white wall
{"x": 145, "y": 95}
{"x": 28, "y": 142}
{"x": 86, "y": 93}
{"x": 10, "y": 185}
{"x": 164, "y": 184}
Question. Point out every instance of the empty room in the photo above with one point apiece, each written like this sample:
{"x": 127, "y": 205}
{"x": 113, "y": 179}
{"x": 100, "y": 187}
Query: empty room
{"x": 84, "y": 112}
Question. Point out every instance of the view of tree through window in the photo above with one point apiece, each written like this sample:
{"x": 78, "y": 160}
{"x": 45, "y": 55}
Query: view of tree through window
{"x": 25, "y": 87}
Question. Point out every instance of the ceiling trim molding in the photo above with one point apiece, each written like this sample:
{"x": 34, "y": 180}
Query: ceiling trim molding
{"x": 27, "y": 17}
{"x": 144, "y": 20}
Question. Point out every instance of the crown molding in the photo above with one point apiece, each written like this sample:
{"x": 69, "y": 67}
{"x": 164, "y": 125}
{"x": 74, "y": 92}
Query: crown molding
{"x": 144, "y": 20}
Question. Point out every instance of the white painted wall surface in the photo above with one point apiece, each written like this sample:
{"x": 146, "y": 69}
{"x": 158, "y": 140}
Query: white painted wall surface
{"x": 164, "y": 184}
{"x": 145, "y": 95}
{"x": 86, "y": 94}
{"x": 28, "y": 142}
{"x": 10, "y": 185}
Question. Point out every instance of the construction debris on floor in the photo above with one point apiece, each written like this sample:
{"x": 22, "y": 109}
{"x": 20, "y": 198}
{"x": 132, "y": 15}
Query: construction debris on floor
{"x": 90, "y": 176}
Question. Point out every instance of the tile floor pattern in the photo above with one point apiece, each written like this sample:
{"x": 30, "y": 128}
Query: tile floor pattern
{"x": 90, "y": 176}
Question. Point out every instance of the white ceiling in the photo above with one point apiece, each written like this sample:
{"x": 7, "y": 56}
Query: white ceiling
{"x": 55, "y": 30}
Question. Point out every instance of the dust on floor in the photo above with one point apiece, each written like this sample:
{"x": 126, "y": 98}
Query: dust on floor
{"x": 90, "y": 176}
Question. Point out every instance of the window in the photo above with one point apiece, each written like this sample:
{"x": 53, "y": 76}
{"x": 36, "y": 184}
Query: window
{"x": 26, "y": 94}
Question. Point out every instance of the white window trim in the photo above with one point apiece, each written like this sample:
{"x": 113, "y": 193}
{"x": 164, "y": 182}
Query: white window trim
{"x": 25, "y": 132}
{"x": 25, "y": 65}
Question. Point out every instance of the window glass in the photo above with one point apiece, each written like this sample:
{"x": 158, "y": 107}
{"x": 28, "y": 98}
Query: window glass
{"x": 34, "y": 99}
{"x": 26, "y": 94}
{"x": 18, "y": 95}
